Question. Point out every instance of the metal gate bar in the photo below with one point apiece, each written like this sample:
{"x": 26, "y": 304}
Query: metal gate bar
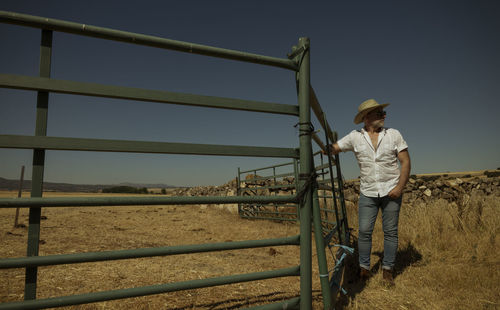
{"x": 299, "y": 62}
{"x": 120, "y": 92}
{"x": 148, "y": 290}
{"x": 140, "y": 39}
{"x": 136, "y": 201}
{"x": 60, "y": 259}
{"x": 102, "y": 145}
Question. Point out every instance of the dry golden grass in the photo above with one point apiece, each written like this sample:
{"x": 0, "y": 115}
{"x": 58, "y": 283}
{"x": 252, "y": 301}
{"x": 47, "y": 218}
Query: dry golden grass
{"x": 448, "y": 257}
{"x": 74, "y": 230}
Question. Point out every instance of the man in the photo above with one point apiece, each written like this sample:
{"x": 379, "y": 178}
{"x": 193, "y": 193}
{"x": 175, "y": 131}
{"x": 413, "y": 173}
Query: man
{"x": 377, "y": 150}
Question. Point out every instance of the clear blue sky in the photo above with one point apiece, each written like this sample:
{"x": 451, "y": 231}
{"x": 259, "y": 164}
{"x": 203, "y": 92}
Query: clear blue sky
{"x": 436, "y": 62}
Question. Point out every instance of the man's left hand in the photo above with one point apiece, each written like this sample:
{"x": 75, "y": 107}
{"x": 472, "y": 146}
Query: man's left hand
{"x": 396, "y": 192}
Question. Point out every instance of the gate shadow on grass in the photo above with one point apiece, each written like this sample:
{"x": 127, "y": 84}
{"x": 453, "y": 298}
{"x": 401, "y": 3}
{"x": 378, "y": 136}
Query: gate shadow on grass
{"x": 237, "y": 303}
{"x": 234, "y": 303}
{"x": 404, "y": 258}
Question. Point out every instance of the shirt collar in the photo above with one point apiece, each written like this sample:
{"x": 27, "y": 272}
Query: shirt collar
{"x": 384, "y": 129}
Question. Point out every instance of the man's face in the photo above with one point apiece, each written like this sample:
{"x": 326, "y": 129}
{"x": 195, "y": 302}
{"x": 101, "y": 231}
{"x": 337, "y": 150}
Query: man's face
{"x": 375, "y": 118}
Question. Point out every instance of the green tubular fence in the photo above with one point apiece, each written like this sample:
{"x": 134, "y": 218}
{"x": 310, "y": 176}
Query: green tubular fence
{"x": 304, "y": 195}
{"x": 330, "y": 221}
{"x": 256, "y": 184}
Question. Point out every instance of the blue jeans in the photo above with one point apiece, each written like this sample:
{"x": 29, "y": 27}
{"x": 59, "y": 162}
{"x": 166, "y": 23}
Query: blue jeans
{"x": 368, "y": 210}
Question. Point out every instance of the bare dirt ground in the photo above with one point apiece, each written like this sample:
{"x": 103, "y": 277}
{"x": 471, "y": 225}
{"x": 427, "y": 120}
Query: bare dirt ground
{"x": 447, "y": 258}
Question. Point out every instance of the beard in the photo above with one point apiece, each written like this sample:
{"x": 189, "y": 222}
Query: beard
{"x": 378, "y": 124}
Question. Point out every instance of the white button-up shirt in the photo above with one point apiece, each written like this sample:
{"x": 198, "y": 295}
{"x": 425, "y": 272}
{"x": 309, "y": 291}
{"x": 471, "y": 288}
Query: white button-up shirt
{"x": 379, "y": 170}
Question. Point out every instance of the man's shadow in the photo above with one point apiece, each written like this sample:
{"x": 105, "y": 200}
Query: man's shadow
{"x": 405, "y": 257}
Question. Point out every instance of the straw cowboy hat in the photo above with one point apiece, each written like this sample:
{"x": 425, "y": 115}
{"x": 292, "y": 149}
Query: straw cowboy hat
{"x": 366, "y": 107}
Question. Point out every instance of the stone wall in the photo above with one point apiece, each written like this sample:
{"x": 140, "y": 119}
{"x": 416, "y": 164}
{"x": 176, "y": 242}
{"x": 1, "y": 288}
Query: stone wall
{"x": 428, "y": 188}
{"x": 419, "y": 188}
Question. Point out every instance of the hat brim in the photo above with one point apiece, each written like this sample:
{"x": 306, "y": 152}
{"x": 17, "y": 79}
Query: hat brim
{"x": 359, "y": 117}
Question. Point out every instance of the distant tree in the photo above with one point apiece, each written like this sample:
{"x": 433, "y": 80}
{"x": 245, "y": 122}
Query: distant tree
{"x": 163, "y": 191}
{"x": 125, "y": 190}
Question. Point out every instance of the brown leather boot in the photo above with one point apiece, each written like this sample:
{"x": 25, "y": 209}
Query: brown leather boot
{"x": 364, "y": 274}
{"x": 388, "y": 277}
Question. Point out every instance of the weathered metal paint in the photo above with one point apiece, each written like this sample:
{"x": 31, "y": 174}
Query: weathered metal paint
{"x": 305, "y": 171}
{"x": 51, "y": 260}
{"x": 140, "y": 39}
{"x": 38, "y": 165}
{"x": 142, "y": 202}
{"x": 345, "y": 224}
{"x": 148, "y": 290}
{"x": 321, "y": 255}
{"x": 120, "y": 92}
{"x": 104, "y": 145}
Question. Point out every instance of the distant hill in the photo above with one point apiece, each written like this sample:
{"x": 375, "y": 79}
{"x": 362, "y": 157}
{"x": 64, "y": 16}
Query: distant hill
{"x": 147, "y": 185}
{"x": 6, "y": 184}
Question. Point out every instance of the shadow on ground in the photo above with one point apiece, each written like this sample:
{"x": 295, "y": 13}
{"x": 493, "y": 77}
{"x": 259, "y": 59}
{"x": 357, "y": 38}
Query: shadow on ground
{"x": 404, "y": 258}
{"x": 237, "y": 303}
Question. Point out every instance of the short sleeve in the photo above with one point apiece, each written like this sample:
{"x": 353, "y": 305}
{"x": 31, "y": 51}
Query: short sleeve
{"x": 346, "y": 143}
{"x": 399, "y": 141}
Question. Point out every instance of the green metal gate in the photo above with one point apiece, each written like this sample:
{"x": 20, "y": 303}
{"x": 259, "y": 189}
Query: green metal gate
{"x": 329, "y": 211}
{"x": 306, "y": 198}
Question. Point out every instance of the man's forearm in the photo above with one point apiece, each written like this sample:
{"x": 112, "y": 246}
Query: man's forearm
{"x": 405, "y": 174}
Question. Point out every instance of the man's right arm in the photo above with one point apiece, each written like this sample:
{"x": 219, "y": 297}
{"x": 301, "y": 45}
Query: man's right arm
{"x": 335, "y": 149}
{"x": 346, "y": 143}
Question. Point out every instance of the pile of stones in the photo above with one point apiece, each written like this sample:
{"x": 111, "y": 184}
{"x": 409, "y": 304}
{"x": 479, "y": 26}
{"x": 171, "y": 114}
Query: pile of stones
{"x": 419, "y": 188}
{"x": 428, "y": 188}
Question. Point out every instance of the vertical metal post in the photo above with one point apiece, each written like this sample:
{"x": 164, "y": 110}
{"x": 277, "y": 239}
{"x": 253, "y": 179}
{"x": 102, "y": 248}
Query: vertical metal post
{"x": 38, "y": 166}
{"x": 238, "y": 190}
{"x": 276, "y": 206}
{"x": 323, "y": 191}
{"x": 320, "y": 250}
{"x": 296, "y": 173}
{"x": 19, "y": 194}
{"x": 306, "y": 170}
{"x": 340, "y": 182}
{"x": 332, "y": 179}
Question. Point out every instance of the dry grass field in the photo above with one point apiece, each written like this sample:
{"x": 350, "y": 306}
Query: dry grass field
{"x": 448, "y": 257}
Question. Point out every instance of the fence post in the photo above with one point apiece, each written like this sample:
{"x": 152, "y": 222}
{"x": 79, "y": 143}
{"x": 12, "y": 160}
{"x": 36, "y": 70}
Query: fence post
{"x": 306, "y": 169}
{"x": 19, "y": 194}
{"x": 42, "y": 106}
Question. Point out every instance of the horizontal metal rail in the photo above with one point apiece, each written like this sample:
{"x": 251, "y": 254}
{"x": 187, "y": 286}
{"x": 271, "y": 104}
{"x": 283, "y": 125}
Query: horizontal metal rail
{"x": 247, "y": 189}
{"x": 274, "y": 212}
{"x": 270, "y": 218}
{"x": 138, "y": 201}
{"x": 103, "y": 145}
{"x": 325, "y": 187}
{"x": 272, "y": 205}
{"x": 270, "y": 177}
{"x": 329, "y": 222}
{"x": 327, "y": 210}
{"x": 269, "y": 167}
{"x": 287, "y": 304}
{"x": 328, "y": 197}
{"x": 323, "y": 166}
{"x": 51, "y": 260}
{"x": 147, "y": 290}
{"x": 120, "y": 92}
{"x": 277, "y": 213}
{"x": 140, "y": 39}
